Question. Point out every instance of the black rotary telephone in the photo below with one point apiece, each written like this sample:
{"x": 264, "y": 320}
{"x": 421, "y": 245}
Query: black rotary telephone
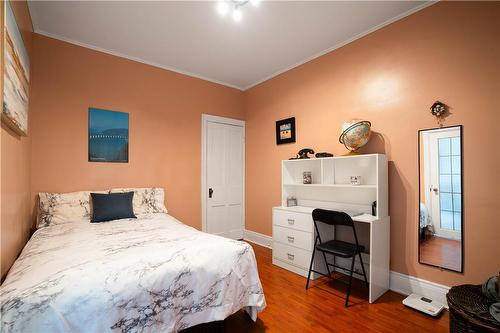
{"x": 303, "y": 154}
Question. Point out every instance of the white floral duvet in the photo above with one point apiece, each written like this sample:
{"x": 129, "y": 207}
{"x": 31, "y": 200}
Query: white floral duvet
{"x": 152, "y": 274}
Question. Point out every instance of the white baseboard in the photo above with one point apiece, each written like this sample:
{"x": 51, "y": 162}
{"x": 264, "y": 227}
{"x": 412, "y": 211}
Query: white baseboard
{"x": 406, "y": 285}
{"x": 258, "y": 238}
{"x": 399, "y": 283}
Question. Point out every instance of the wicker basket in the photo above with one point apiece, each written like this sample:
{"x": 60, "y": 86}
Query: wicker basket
{"x": 469, "y": 310}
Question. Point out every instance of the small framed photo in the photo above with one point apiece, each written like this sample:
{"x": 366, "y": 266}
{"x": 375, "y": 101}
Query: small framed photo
{"x": 355, "y": 180}
{"x": 285, "y": 131}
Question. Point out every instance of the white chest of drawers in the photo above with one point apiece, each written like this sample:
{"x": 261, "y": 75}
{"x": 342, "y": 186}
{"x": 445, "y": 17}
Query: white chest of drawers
{"x": 293, "y": 240}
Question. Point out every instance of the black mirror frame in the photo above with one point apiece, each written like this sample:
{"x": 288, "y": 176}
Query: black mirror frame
{"x": 461, "y": 197}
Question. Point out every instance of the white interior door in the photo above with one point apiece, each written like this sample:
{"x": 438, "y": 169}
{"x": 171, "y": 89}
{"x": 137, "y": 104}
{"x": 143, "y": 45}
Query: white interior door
{"x": 224, "y": 185}
{"x": 445, "y": 182}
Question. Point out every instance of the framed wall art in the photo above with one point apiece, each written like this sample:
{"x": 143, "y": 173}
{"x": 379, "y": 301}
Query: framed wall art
{"x": 108, "y": 136}
{"x": 285, "y": 131}
{"x": 16, "y": 74}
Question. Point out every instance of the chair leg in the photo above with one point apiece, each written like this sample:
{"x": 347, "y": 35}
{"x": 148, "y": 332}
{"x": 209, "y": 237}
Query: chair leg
{"x": 310, "y": 266}
{"x": 363, "y": 268}
{"x": 327, "y": 267}
{"x": 350, "y": 282}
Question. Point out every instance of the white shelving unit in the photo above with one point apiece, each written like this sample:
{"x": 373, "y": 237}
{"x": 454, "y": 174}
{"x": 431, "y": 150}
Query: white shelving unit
{"x": 293, "y": 229}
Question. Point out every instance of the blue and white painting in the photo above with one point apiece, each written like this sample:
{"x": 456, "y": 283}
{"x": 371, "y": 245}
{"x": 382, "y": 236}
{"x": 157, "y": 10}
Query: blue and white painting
{"x": 108, "y": 136}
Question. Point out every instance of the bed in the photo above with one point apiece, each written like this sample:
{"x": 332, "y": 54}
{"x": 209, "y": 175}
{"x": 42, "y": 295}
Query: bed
{"x": 152, "y": 274}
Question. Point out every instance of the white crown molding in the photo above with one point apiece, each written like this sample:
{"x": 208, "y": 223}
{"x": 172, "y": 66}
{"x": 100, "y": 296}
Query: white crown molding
{"x": 339, "y": 45}
{"x": 183, "y": 72}
{"x": 121, "y": 55}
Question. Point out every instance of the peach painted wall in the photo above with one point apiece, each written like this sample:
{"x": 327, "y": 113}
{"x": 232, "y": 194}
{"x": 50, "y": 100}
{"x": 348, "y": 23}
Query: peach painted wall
{"x": 165, "y": 123}
{"x": 15, "y": 213}
{"x": 449, "y": 51}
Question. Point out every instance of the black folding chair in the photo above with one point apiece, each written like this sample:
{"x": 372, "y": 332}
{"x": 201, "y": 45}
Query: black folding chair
{"x": 336, "y": 247}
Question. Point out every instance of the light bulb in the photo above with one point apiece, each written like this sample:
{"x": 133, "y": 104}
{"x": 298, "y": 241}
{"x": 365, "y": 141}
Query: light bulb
{"x": 255, "y": 3}
{"x": 237, "y": 15}
{"x": 222, "y": 8}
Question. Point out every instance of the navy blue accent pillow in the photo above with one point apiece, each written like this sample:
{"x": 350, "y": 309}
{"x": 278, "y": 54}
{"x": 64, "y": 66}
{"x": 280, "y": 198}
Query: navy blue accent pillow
{"x": 113, "y": 206}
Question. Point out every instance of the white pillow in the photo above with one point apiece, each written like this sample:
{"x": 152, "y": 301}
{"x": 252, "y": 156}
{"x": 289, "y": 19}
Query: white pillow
{"x": 148, "y": 200}
{"x": 57, "y": 208}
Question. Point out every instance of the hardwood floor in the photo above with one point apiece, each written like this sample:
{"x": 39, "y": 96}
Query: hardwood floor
{"x": 442, "y": 252}
{"x": 290, "y": 308}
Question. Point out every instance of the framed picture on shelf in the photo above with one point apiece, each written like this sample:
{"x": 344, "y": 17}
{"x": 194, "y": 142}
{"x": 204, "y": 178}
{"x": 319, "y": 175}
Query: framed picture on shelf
{"x": 285, "y": 131}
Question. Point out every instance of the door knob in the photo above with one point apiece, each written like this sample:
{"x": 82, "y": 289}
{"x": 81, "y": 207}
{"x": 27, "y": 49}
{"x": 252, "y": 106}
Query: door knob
{"x": 210, "y": 192}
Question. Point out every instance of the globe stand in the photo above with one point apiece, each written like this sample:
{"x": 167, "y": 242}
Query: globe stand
{"x": 352, "y": 153}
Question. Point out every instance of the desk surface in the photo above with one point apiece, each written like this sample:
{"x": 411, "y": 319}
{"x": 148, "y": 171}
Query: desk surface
{"x": 366, "y": 218}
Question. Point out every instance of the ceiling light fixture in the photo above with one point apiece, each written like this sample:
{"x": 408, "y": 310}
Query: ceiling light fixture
{"x": 237, "y": 15}
{"x": 222, "y": 8}
{"x": 234, "y": 6}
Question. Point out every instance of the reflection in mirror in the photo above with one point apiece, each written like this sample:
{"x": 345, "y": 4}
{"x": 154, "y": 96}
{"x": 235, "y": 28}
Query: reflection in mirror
{"x": 440, "y": 177}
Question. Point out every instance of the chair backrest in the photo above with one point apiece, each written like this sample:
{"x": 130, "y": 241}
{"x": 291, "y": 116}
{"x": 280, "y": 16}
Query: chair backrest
{"x": 334, "y": 218}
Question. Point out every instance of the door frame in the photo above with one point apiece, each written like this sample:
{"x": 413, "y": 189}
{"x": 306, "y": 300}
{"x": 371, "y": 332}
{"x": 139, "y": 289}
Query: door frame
{"x": 433, "y": 169}
{"x": 430, "y": 166}
{"x": 205, "y": 119}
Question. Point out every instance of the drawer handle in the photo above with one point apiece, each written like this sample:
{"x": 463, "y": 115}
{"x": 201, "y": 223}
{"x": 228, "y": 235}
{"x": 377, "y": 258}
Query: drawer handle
{"x": 291, "y": 221}
{"x": 290, "y": 256}
{"x": 291, "y": 239}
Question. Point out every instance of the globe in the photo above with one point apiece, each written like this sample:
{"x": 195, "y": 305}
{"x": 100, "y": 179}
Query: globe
{"x": 355, "y": 134}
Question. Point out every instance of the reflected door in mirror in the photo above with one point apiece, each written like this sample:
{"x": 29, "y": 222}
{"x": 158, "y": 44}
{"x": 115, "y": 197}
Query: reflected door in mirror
{"x": 440, "y": 229}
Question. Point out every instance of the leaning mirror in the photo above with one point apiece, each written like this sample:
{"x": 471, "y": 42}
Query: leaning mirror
{"x": 440, "y": 230}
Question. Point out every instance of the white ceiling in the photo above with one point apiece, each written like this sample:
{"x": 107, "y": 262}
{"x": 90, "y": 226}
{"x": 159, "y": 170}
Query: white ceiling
{"x": 191, "y": 38}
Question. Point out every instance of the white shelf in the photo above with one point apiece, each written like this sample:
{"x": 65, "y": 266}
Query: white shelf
{"x": 331, "y": 187}
{"x": 334, "y": 185}
{"x": 332, "y": 158}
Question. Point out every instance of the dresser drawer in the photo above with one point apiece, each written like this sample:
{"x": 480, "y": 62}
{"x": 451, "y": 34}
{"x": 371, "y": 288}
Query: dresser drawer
{"x": 293, "y": 237}
{"x": 294, "y": 220}
{"x": 292, "y": 255}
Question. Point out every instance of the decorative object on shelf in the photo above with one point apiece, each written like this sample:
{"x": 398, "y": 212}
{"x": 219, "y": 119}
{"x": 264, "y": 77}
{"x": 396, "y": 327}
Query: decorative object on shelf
{"x": 234, "y": 6}
{"x": 355, "y": 180}
{"x": 439, "y": 110}
{"x": 285, "y": 131}
{"x": 303, "y": 154}
{"x": 324, "y": 154}
{"x": 355, "y": 134}
{"x": 307, "y": 177}
{"x": 374, "y": 208}
{"x": 16, "y": 74}
{"x": 291, "y": 202}
{"x": 108, "y": 136}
